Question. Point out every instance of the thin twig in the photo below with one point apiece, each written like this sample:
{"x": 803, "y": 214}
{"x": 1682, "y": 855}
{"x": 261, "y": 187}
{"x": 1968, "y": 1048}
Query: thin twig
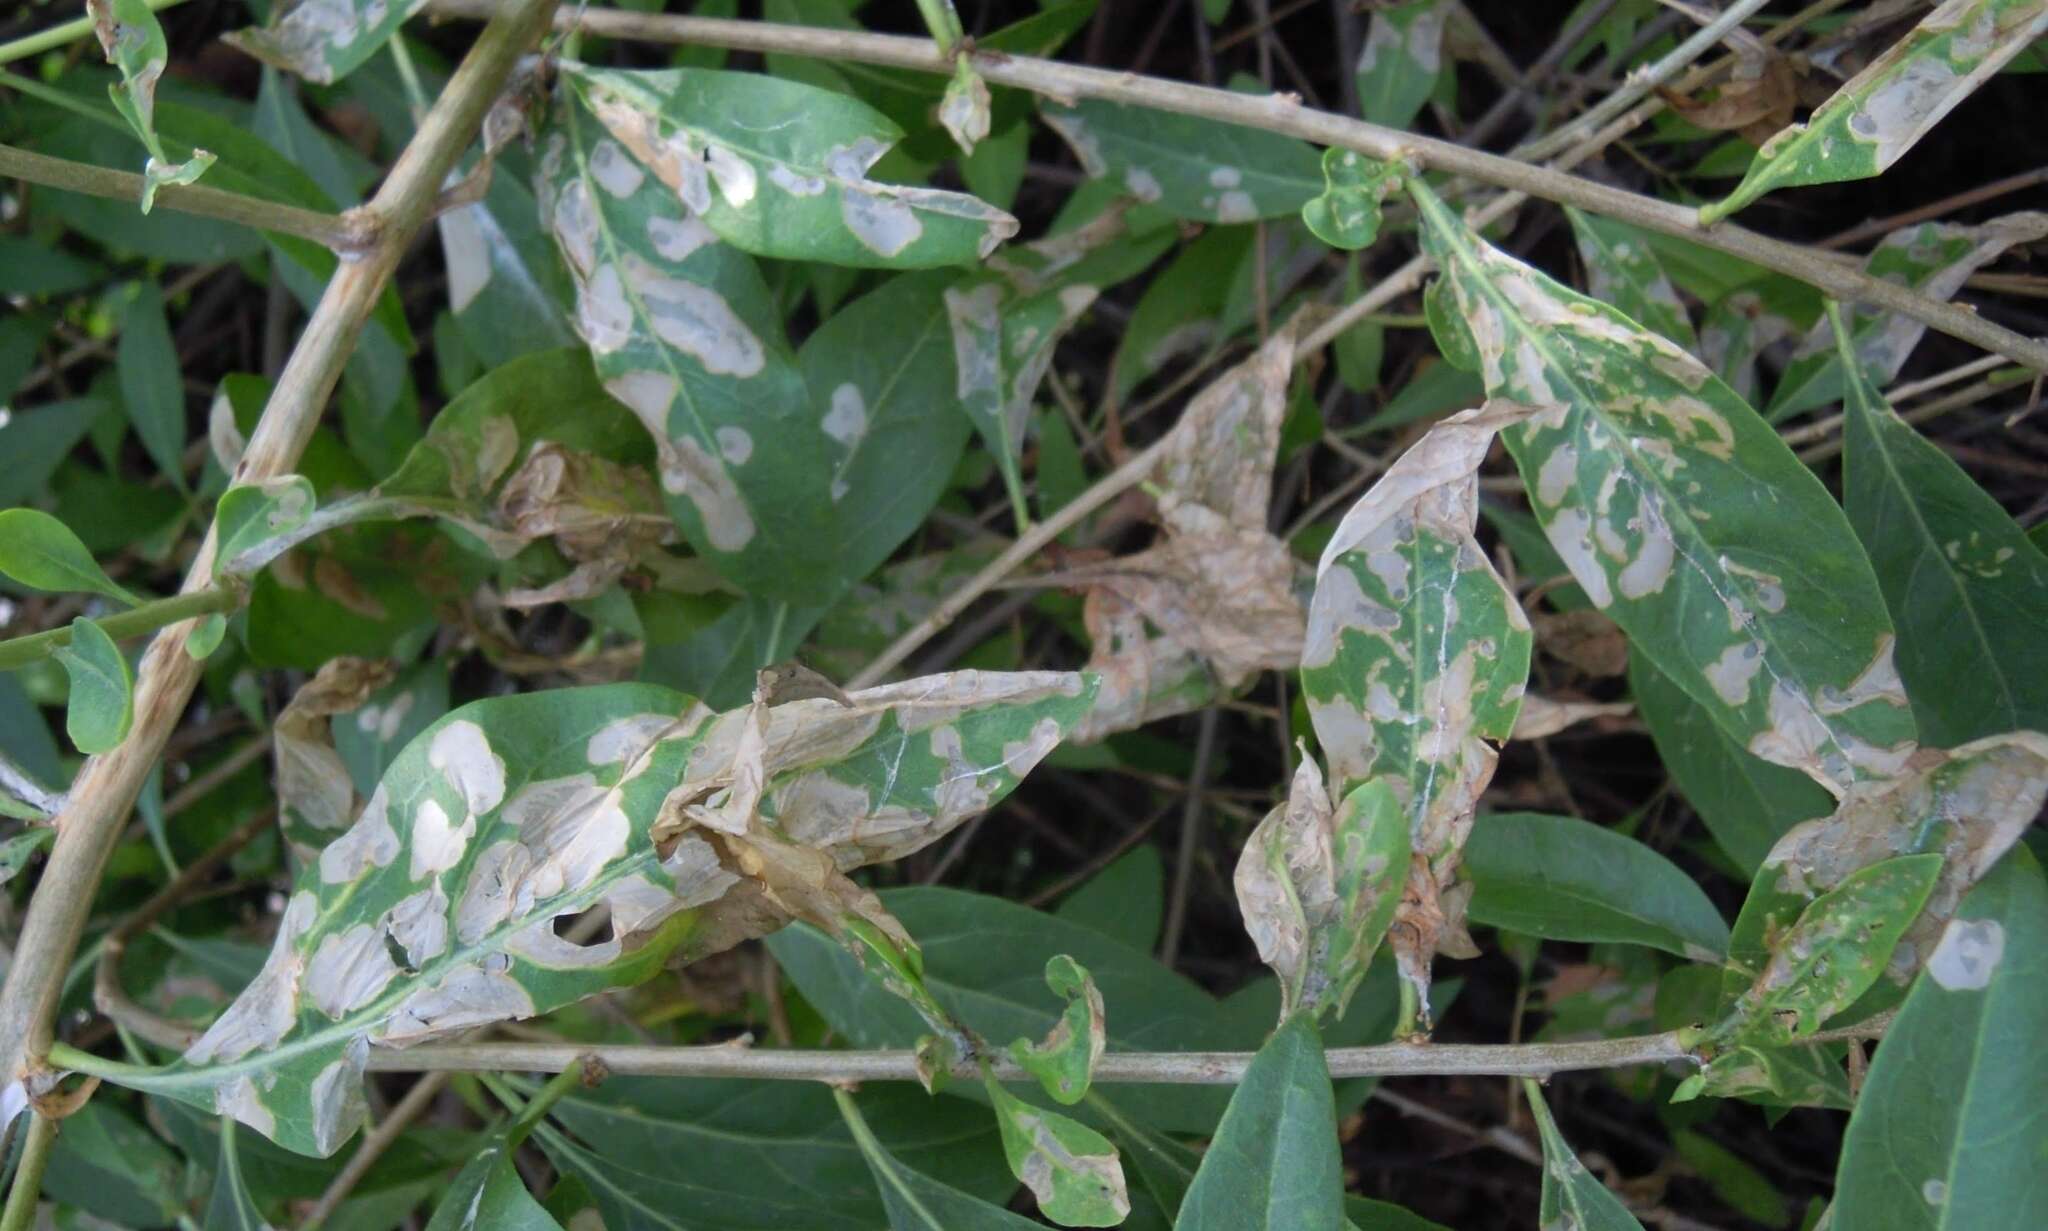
{"x": 1947, "y": 205}
{"x": 20, "y": 1213}
{"x": 58, "y": 35}
{"x": 137, "y": 620}
{"x": 107, "y": 787}
{"x": 1190, "y": 832}
{"x": 350, "y": 234}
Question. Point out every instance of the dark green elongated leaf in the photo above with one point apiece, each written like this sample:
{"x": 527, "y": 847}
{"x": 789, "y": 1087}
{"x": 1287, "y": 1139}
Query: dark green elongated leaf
{"x": 1622, "y": 269}
{"x": 1347, "y": 215}
{"x": 1969, "y": 805}
{"x": 1737, "y": 328}
{"x": 152, "y": 390}
{"x": 1934, "y": 258}
{"x": 1416, "y": 657}
{"x": 1402, "y": 59}
{"x": 1125, "y": 900}
{"x": 1064, "y": 1062}
{"x": 1667, "y": 497}
{"x": 503, "y": 282}
{"x": 1967, "y": 589}
{"x": 16, "y": 851}
{"x": 134, "y": 43}
{"x": 1071, "y": 1169}
{"x": 1318, "y": 886}
{"x": 1365, "y": 1214}
{"x": 984, "y": 959}
{"x": 1747, "y": 803}
{"x": 1182, "y": 309}
{"x": 281, "y": 121}
{"x": 511, "y": 812}
{"x": 692, "y": 1153}
{"x": 102, "y": 704}
{"x": 686, "y": 334}
{"x": 1562, "y": 878}
{"x": 325, "y": 40}
{"x": 1194, "y": 168}
{"x": 917, "y": 1202}
{"x": 1274, "y": 1161}
{"x": 779, "y": 168}
{"x": 1572, "y": 1196}
{"x": 1881, "y": 112}
{"x": 36, "y": 442}
{"x": 39, "y": 551}
{"x": 108, "y": 1165}
{"x": 1948, "y": 1130}
{"x": 489, "y": 1193}
{"x": 1838, "y": 947}
{"x": 1809, "y": 1076}
{"x": 369, "y": 739}
{"x": 231, "y": 1208}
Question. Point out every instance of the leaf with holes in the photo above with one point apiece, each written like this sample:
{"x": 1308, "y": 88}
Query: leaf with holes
{"x": 1417, "y": 656}
{"x": 134, "y": 43}
{"x": 1572, "y": 1196}
{"x": 1668, "y": 497}
{"x": 437, "y": 911}
{"x": 1966, "y": 587}
{"x": 1832, "y": 953}
{"x": 41, "y": 552}
{"x": 779, "y": 168}
{"x": 1402, "y": 60}
{"x": 1952, "y": 1109}
{"x": 1883, "y": 111}
{"x": 102, "y": 703}
{"x": 1622, "y": 269}
{"x": 1935, "y": 258}
{"x": 1318, "y": 886}
{"x": 1194, "y": 168}
{"x": 325, "y": 40}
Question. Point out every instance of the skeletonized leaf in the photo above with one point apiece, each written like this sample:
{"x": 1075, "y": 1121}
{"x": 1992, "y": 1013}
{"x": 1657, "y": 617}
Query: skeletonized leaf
{"x": 1832, "y": 954}
{"x": 325, "y": 40}
{"x": 964, "y": 111}
{"x": 39, "y": 551}
{"x": 1274, "y": 1160}
{"x": 102, "y": 704}
{"x": 1561, "y": 878}
{"x": 1194, "y": 168}
{"x": 1219, "y": 589}
{"x": 134, "y": 43}
{"x": 1399, "y": 65}
{"x": 685, "y": 332}
{"x": 1966, "y": 587}
{"x": 779, "y": 168}
{"x": 1935, "y": 258}
{"x": 1881, "y": 112}
{"x": 1417, "y": 656}
{"x": 1622, "y": 269}
{"x": 1572, "y": 1196}
{"x": 436, "y": 911}
{"x": 1071, "y": 1169}
{"x": 1347, "y": 215}
{"x": 1318, "y": 887}
{"x": 1949, "y": 1119}
{"x": 1065, "y": 1061}
{"x": 1667, "y": 497}
{"x": 1968, "y": 805}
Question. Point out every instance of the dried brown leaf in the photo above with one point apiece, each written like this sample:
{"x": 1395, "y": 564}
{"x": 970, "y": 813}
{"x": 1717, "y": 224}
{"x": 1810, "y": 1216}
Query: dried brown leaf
{"x": 315, "y": 795}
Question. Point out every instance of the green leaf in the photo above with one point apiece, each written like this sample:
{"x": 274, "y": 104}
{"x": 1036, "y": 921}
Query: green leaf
{"x": 778, "y": 168}
{"x": 1194, "y": 168}
{"x": 111, "y": 1167}
{"x": 1126, "y": 900}
{"x": 1947, "y": 1132}
{"x": 206, "y": 636}
{"x": 489, "y": 1192}
{"x": 1883, "y": 111}
{"x": 1934, "y": 258}
{"x": 1064, "y": 1062}
{"x": 1572, "y": 1196}
{"x": 1561, "y": 878}
{"x": 1772, "y": 1076}
{"x": 1365, "y": 1214}
{"x": 1747, "y": 803}
{"x": 1738, "y": 327}
{"x": 503, "y": 280}
{"x": 629, "y": 1138}
{"x": 370, "y": 739}
{"x": 1417, "y": 653}
{"x": 1966, "y": 588}
{"x": 1832, "y": 954}
{"x": 1668, "y": 498}
{"x": 1274, "y": 1162}
{"x": 914, "y": 1201}
{"x": 39, "y": 551}
{"x": 1183, "y": 308}
{"x": 152, "y": 390}
{"x": 435, "y": 912}
{"x": 1071, "y": 1169}
{"x": 1401, "y": 62}
{"x": 1622, "y": 270}
{"x": 134, "y": 44}
{"x": 249, "y": 516}
{"x": 1347, "y": 215}
{"x": 102, "y": 704}
{"x": 1318, "y": 886}
{"x": 325, "y": 40}
{"x": 16, "y": 851}
{"x": 231, "y": 1208}
{"x": 1740, "y": 1186}
{"x": 685, "y": 332}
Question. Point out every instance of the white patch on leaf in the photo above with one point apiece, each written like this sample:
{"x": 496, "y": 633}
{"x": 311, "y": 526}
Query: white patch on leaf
{"x": 348, "y": 970}
{"x": 1968, "y": 954}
